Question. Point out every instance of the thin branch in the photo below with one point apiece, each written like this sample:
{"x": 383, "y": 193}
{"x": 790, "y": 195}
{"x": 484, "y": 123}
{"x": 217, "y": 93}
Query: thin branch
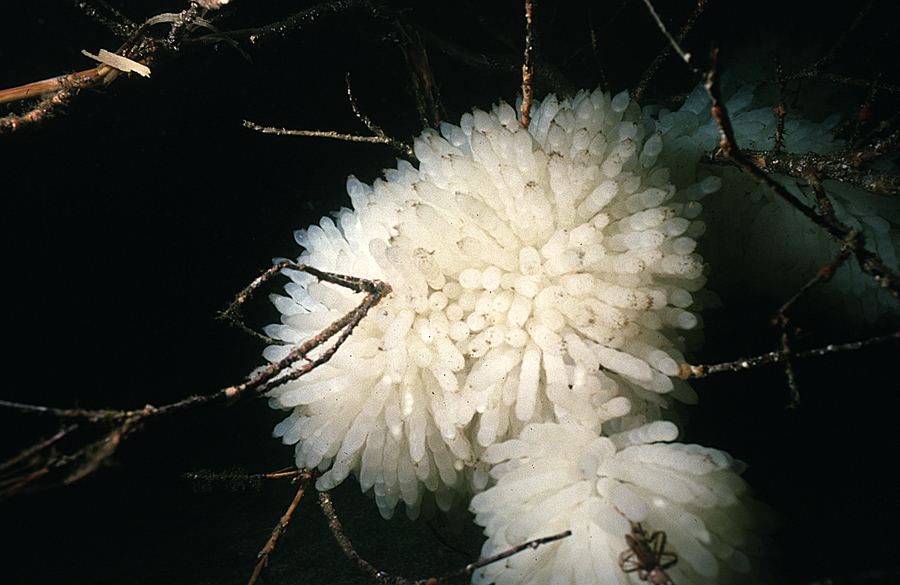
{"x": 89, "y": 457}
{"x": 868, "y": 262}
{"x": 688, "y": 372}
{"x": 781, "y": 109}
{"x": 264, "y": 380}
{"x": 318, "y": 134}
{"x": 301, "y": 19}
{"x": 686, "y": 57}
{"x": 379, "y": 138}
{"x": 638, "y": 93}
{"x": 531, "y": 544}
{"x": 375, "y": 128}
{"x": 385, "y": 579}
{"x": 123, "y": 28}
{"x": 528, "y": 65}
{"x": 840, "y": 167}
{"x": 338, "y": 532}
{"x": 263, "y": 556}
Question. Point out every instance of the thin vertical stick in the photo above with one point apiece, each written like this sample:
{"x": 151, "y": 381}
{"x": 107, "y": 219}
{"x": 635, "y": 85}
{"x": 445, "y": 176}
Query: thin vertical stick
{"x": 528, "y": 66}
{"x": 263, "y": 555}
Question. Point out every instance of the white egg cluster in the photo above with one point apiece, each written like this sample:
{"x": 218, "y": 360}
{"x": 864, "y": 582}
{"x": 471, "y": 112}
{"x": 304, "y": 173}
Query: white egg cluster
{"x": 542, "y": 280}
{"x": 596, "y": 487}
{"x": 539, "y": 274}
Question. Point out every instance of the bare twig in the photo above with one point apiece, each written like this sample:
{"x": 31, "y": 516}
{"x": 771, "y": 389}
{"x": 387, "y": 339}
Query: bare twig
{"x": 305, "y": 477}
{"x": 868, "y": 262}
{"x": 840, "y": 167}
{"x": 595, "y": 49}
{"x": 385, "y": 579}
{"x": 531, "y": 544}
{"x": 123, "y": 28}
{"x": 301, "y": 19}
{"x": 379, "y": 138}
{"x": 541, "y": 71}
{"x": 686, "y": 57}
{"x": 375, "y": 128}
{"x": 88, "y": 458}
{"x": 528, "y": 65}
{"x": 787, "y": 357}
{"x": 781, "y": 109}
{"x": 264, "y": 380}
{"x": 17, "y": 473}
{"x": 232, "y": 313}
{"x": 138, "y": 52}
{"x": 73, "y": 81}
{"x": 318, "y": 134}
{"x": 338, "y": 531}
{"x": 687, "y": 371}
{"x": 638, "y": 92}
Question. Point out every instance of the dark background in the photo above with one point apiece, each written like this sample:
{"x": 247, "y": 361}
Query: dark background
{"x": 135, "y": 215}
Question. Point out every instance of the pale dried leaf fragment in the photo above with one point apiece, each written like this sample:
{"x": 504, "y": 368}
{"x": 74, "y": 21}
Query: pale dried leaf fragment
{"x": 120, "y": 63}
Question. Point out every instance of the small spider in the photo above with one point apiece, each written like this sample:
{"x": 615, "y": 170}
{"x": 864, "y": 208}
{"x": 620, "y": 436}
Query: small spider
{"x": 647, "y": 555}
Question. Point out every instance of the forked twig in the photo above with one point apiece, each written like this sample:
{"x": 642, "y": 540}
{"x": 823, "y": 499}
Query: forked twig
{"x": 638, "y": 93}
{"x": 88, "y": 458}
{"x": 870, "y": 263}
{"x": 265, "y": 380}
{"x": 135, "y": 55}
{"x": 305, "y": 477}
{"x": 687, "y": 371}
{"x": 852, "y": 241}
{"x": 385, "y": 579}
{"x": 379, "y": 138}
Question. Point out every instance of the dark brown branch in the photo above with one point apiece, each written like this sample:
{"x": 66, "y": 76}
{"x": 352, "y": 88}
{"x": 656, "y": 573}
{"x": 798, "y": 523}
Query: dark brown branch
{"x": 263, "y": 556}
{"x": 840, "y": 167}
{"x": 18, "y": 473}
{"x": 264, "y": 380}
{"x": 673, "y": 42}
{"x": 403, "y": 147}
{"x": 528, "y": 65}
{"x": 123, "y": 28}
{"x": 687, "y": 371}
{"x": 338, "y": 532}
{"x": 542, "y": 72}
{"x": 383, "y": 578}
{"x": 531, "y": 544}
{"x": 88, "y": 458}
{"x": 787, "y": 355}
{"x": 868, "y": 262}
{"x": 325, "y": 134}
{"x": 781, "y": 109}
